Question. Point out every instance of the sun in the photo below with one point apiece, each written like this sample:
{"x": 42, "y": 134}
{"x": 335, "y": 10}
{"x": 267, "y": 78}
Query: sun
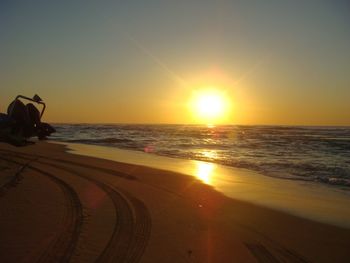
{"x": 209, "y": 106}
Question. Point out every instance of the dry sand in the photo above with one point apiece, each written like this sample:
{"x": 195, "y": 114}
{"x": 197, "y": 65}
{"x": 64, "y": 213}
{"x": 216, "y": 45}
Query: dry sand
{"x": 60, "y": 207}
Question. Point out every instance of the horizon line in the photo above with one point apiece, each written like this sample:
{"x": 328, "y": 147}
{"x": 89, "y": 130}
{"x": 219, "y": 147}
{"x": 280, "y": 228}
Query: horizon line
{"x": 200, "y": 124}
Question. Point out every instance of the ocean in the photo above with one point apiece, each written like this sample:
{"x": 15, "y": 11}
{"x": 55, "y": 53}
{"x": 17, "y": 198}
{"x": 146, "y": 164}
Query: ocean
{"x": 320, "y": 154}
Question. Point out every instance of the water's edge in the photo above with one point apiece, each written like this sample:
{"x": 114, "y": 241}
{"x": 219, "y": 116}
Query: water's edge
{"x": 319, "y": 154}
{"x": 310, "y": 200}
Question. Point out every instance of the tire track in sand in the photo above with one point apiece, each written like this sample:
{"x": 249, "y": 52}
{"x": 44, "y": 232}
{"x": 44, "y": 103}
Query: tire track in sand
{"x": 85, "y": 165}
{"x": 16, "y": 178}
{"x": 61, "y": 248}
{"x": 133, "y": 222}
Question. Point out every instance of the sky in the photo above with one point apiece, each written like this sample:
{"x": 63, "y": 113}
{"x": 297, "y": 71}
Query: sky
{"x": 276, "y": 61}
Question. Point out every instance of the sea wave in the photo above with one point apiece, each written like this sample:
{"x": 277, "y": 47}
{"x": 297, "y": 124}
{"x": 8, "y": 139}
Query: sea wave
{"x": 100, "y": 141}
{"x": 303, "y": 153}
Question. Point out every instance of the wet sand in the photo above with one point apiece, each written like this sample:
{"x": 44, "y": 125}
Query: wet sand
{"x": 60, "y": 207}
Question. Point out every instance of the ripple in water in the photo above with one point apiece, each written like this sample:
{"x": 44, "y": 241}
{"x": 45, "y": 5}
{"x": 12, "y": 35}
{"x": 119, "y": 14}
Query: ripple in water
{"x": 302, "y": 153}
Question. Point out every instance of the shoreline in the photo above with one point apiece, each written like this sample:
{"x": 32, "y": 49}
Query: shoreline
{"x": 306, "y": 199}
{"x": 79, "y": 203}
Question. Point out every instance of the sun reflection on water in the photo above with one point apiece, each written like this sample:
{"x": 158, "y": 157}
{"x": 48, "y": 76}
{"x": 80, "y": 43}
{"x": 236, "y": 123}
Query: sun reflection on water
{"x": 209, "y": 154}
{"x": 204, "y": 172}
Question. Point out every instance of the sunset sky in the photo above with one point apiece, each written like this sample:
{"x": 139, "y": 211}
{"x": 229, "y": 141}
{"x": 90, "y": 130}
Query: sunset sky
{"x": 275, "y": 62}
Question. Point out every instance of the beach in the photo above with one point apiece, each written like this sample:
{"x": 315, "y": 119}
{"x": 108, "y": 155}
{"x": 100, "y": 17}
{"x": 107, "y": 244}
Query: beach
{"x": 175, "y": 131}
{"x": 61, "y": 207}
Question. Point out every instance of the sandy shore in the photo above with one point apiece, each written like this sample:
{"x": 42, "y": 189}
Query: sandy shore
{"x": 60, "y": 207}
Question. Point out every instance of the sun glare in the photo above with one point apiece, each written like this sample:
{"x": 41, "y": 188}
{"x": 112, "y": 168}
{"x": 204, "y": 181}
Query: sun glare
{"x": 205, "y": 172}
{"x": 209, "y": 106}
